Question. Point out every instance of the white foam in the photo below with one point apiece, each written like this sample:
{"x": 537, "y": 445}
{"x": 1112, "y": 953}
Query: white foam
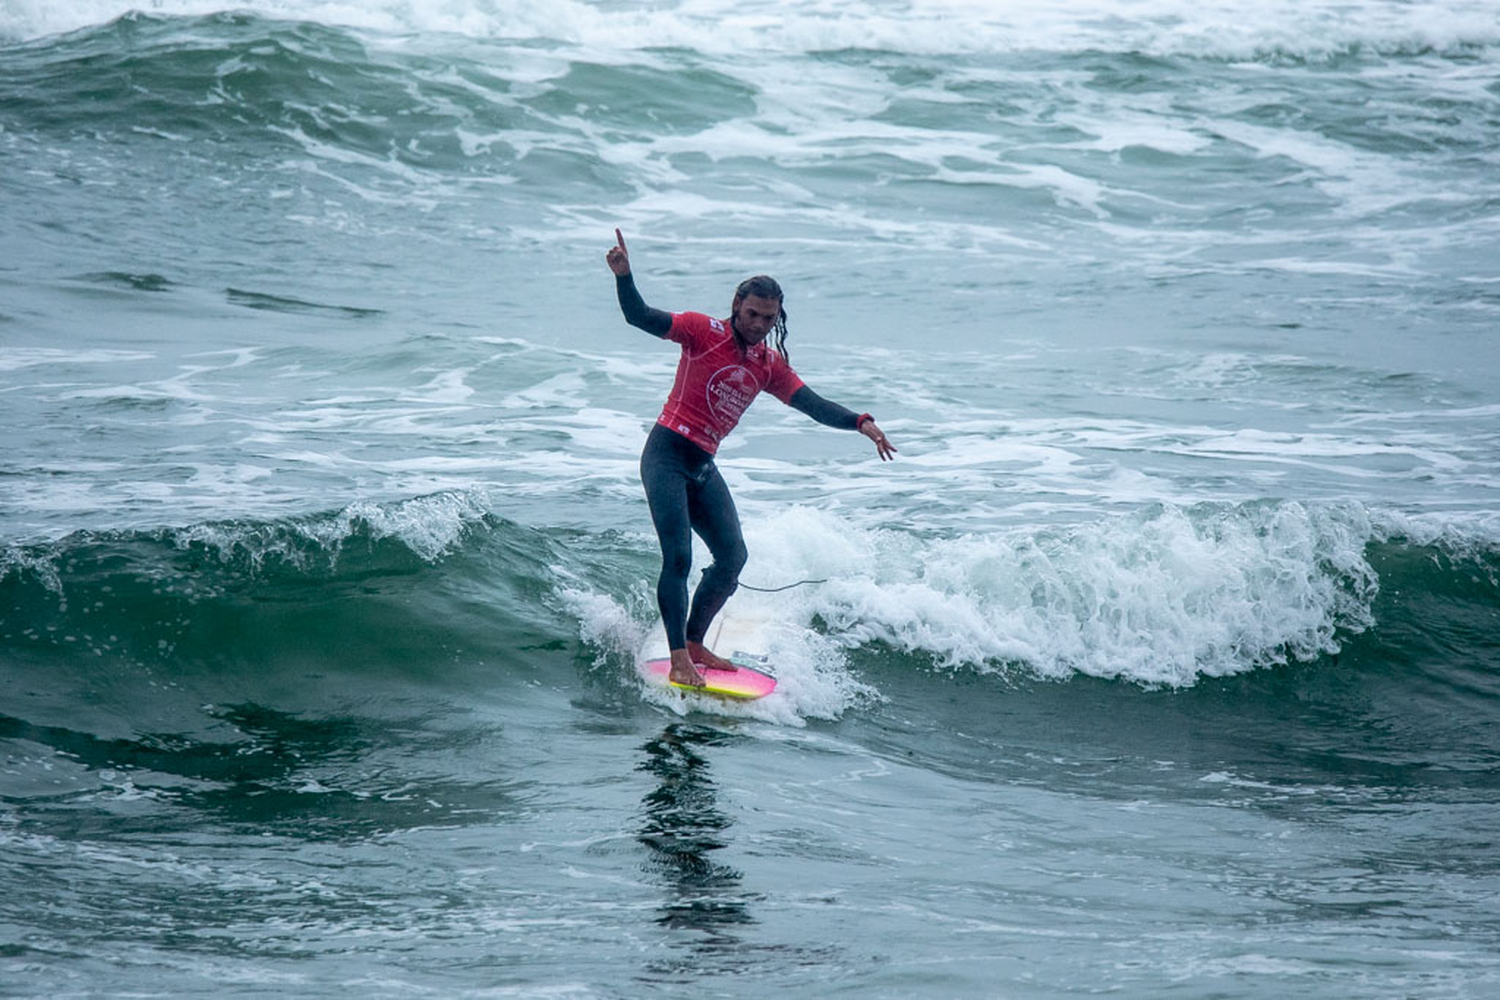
{"x": 431, "y": 526}
{"x": 16, "y": 358}
{"x": 1163, "y": 597}
{"x": 1218, "y": 28}
{"x": 1158, "y": 598}
{"x": 1462, "y": 534}
{"x": 1362, "y": 182}
{"x": 1266, "y": 446}
{"x": 813, "y": 679}
{"x": 1132, "y": 127}
{"x": 812, "y": 676}
{"x": 560, "y": 390}
{"x": 603, "y": 621}
{"x": 445, "y": 387}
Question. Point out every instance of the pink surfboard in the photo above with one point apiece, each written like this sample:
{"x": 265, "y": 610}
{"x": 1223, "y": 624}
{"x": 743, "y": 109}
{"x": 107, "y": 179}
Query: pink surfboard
{"x": 741, "y": 683}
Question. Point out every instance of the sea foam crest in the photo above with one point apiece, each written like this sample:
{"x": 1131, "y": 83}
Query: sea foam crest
{"x": 1162, "y": 597}
{"x": 1212, "y": 28}
{"x": 1463, "y": 536}
{"x": 429, "y": 526}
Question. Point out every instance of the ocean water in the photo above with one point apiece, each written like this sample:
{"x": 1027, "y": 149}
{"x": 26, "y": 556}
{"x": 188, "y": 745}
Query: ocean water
{"x": 1163, "y": 661}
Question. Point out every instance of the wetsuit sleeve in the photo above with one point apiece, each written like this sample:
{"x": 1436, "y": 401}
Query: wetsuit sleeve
{"x": 654, "y": 321}
{"x": 824, "y": 411}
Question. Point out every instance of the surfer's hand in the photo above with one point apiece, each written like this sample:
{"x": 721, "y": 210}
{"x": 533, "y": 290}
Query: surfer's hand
{"x": 882, "y": 443}
{"x": 618, "y": 257}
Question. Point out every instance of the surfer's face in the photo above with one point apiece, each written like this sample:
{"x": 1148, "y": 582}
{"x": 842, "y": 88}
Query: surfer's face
{"x": 754, "y": 316}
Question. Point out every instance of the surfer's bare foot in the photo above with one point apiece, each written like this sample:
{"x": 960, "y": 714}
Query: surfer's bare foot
{"x": 706, "y": 657}
{"x": 684, "y": 671}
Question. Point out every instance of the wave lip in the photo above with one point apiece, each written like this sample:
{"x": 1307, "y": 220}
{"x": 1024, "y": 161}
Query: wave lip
{"x": 1164, "y": 597}
{"x": 108, "y": 574}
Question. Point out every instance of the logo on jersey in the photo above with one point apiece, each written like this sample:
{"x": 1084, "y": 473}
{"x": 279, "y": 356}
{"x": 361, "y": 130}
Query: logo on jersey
{"x": 717, "y": 326}
{"x": 729, "y": 391}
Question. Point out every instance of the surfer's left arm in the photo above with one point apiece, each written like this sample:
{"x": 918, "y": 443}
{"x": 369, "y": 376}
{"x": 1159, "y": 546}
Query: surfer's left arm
{"x": 831, "y": 414}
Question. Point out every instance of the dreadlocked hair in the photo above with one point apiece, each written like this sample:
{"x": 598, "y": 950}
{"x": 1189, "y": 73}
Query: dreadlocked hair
{"x": 765, "y": 287}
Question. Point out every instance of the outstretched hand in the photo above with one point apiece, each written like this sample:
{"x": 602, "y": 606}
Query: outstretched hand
{"x": 882, "y": 443}
{"x": 618, "y": 257}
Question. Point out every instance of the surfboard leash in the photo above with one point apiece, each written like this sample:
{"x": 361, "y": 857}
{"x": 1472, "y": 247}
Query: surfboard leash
{"x": 777, "y": 590}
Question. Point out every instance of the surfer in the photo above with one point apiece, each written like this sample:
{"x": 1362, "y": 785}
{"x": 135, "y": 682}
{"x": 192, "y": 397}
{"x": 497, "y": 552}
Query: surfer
{"x": 725, "y": 363}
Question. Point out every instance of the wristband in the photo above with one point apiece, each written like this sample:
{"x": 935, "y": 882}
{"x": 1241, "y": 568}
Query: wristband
{"x": 859, "y": 421}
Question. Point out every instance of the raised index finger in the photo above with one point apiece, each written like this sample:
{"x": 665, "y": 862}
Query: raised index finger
{"x": 620, "y": 239}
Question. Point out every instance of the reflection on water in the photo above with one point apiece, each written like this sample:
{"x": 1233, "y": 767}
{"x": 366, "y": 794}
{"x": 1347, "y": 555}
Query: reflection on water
{"x": 682, "y": 827}
{"x": 344, "y": 778}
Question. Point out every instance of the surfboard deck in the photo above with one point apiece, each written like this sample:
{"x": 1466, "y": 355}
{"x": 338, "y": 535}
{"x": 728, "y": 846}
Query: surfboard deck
{"x": 740, "y": 684}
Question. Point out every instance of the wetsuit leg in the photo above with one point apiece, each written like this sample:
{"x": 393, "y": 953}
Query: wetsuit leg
{"x": 713, "y": 515}
{"x": 686, "y": 493}
{"x": 665, "y": 477}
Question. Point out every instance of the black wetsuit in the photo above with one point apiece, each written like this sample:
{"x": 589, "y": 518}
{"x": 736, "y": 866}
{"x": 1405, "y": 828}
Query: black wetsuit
{"x": 687, "y": 494}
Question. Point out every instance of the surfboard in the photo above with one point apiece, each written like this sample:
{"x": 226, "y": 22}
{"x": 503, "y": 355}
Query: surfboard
{"x": 740, "y": 684}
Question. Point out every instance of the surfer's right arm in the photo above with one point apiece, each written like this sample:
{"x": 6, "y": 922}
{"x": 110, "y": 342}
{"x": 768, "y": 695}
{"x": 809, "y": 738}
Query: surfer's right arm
{"x": 656, "y": 322}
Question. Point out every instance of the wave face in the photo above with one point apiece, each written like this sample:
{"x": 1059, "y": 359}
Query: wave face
{"x": 1165, "y": 597}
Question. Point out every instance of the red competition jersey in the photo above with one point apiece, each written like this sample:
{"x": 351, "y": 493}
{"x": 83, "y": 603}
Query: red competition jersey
{"x": 716, "y": 381}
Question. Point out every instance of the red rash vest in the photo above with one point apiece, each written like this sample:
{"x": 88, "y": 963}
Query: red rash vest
{"x": 716, "y": 381}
